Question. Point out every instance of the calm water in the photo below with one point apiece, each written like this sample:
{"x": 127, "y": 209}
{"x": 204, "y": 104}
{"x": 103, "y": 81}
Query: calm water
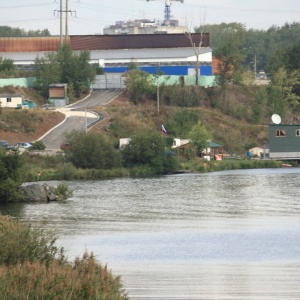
{"x": 225, "y": 235}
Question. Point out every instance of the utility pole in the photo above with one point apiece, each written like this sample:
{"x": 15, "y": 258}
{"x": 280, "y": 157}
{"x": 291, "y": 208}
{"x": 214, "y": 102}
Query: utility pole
{"x": 66, "y": 11}
{"x": 255, "y": 62}
{"x": 66, "y": 30}
{"x": 157, "y": 98}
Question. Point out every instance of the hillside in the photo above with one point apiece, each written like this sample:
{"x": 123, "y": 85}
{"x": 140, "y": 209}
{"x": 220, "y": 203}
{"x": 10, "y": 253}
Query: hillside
{"x": 123, "y": 119}
{"x": 27, "y": 125}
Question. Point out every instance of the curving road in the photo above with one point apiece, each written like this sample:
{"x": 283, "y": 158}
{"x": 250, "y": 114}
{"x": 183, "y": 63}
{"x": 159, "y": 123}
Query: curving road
{"x": 78, "y": 116}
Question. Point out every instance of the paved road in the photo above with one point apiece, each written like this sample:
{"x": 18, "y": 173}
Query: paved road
{"x": 78, "y": 116}
{"x": 98, "y": 97}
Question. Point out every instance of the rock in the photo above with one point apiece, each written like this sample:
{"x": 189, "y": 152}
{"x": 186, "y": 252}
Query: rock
{"x": 38, "y": 193}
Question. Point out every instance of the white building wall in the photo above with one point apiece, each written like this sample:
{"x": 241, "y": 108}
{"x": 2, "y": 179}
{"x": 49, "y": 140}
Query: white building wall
{"x": 203, "y": 58}
{"x": 177, "y": 142}
{"x": 11, "y": 101}
{"x": 123, "y": 142}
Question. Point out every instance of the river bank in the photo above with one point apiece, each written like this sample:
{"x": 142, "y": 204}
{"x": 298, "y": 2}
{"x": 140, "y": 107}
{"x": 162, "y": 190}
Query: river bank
{"x": 56, "y": 168}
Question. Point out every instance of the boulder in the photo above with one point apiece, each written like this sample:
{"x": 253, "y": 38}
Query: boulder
{"x": 38, "y": 193}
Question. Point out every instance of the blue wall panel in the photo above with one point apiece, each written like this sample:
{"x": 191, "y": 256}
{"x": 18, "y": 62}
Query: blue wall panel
{"x": 166, "y": 70}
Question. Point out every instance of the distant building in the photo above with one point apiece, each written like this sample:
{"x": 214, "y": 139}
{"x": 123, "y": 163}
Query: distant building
{"x": 144, "y": 26}
{"x": 58, "y": 94}
{"x": 284, "y": 141}
{"x": 171, "y": 54}
{"x": 11, "y": 100}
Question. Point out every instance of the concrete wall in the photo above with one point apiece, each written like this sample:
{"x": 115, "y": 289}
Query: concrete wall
{"x": 22, "y": 82}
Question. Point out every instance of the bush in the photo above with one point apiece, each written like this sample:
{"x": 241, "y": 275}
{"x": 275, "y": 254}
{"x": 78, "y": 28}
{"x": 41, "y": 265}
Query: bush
{"x": 10, "y": 175}
{"x": 147, "y": 149}
{"x": 63, "y": 191}
{"x": 32, "y": 267}
{"x": 20, "y": 243}
{"x": 38, "y": 145}
{"x": 91, "y": 150}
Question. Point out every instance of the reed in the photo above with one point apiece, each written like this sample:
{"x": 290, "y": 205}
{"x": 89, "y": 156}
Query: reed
{"x": 32, "y": 267}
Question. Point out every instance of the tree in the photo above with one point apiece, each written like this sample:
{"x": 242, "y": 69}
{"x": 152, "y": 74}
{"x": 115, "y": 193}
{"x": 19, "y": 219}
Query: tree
{"x": 259, "y": 104}
{"x": 6, "y": 65}
{"x": 182, "y": 121}
{"x": 139, "y": 84}
{"x": 10, "y": 175}
{"x": 199, "y": 137}
{"x": 6, "y": 31}
{"x": 196, "y": 46}
{"x": 91, "y": 151}
{"x": 147, "y": 149}
{"x": 230, "y": 56}
{"x": 46, "y": 71}
{"x": 64, "y": 66}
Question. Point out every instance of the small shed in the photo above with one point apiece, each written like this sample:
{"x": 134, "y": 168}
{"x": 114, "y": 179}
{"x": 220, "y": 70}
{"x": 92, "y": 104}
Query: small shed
{"x": 177, "y": 142}
{"x": 213, "y": 149}
{"x": 257, "y": 151}
{"x": 123, "y": 142}
{"x": 58, "y": 95}
{"x": 11, "y": 100}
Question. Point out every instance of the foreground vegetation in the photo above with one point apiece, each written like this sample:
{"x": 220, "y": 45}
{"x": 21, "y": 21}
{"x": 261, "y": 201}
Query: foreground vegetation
{"x": 33, "y": 267}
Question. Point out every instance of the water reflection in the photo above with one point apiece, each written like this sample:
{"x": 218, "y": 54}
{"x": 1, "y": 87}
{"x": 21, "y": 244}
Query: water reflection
{"x": 223, "y": 235}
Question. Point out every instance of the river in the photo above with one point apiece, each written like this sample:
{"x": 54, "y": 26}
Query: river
{"x": 224, "y": 235}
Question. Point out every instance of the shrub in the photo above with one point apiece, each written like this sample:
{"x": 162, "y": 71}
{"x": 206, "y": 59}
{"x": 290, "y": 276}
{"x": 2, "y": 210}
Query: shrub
{"x": 147, "y": 149}
{"x": 38, "y": 145}
{"x": 10, "y": 175}
{"x": 32, "y": 267}
{"x": 63, "y": 191}
{"x": 91, "y": 150}
{"x": 20, "y": 243}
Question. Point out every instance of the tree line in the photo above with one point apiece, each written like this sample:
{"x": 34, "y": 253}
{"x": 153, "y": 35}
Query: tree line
{"x": 7, "y": 31}
{"x": 253, "y": 42}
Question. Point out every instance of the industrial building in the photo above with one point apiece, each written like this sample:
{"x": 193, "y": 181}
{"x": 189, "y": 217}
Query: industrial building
{"x": 171, "y": 54}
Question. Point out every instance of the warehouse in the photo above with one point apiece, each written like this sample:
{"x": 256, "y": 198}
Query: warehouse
{"x": 171, "y": 54}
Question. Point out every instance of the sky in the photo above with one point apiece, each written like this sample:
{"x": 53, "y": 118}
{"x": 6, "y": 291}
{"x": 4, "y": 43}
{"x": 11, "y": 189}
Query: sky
{"x": 91, "y": 16}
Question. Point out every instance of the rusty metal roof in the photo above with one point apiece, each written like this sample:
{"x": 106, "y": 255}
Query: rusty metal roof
{"x": 101, "y": 42}
{"x": 28, "y": 44}
{"x": 135, "y": 41}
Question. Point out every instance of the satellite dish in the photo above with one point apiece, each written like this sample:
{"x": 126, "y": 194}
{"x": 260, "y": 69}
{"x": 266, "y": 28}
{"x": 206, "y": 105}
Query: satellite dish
{"x": 276, "y": 119}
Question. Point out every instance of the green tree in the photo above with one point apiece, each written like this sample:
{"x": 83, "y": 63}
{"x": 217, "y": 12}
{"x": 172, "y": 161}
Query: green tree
{"x": 181, "y": 122}
{"x": 199, "y": 137}
{"x": 259, "y": 104}
{"x": 46, "y": 71}
{"x": 276, "y": 103}
{"x": 10, "y": 175}
{"x": 139, "y": 85}
{"x": 6, "y": 31}
{"x": 65, "y": 66}
{"x": 231, "y": 57}
{"x": 91, "y": 151}
{"x": 6, "y": 65}
{"x": 147, "y": 148}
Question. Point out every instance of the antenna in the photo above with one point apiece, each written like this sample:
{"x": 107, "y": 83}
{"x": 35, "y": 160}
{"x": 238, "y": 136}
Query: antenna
{"x": 276, "y": 119}
{"x": 168, "y": 10}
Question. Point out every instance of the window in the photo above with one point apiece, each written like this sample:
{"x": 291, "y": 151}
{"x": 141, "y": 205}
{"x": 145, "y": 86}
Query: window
{"x": 8, "y": 99}
{"x": 297, "y": 132}
{"x": 280, "y": 132}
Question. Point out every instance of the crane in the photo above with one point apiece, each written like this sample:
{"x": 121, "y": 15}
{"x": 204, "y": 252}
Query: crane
{"x": 168, "y": 10}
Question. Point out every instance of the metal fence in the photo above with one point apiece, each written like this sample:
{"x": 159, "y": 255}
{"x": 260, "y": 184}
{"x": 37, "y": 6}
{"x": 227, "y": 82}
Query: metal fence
{"x": 109, "y": 81}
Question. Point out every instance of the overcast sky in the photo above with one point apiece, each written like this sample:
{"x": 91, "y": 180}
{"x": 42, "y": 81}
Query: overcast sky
{"x": 91, "y": 16}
